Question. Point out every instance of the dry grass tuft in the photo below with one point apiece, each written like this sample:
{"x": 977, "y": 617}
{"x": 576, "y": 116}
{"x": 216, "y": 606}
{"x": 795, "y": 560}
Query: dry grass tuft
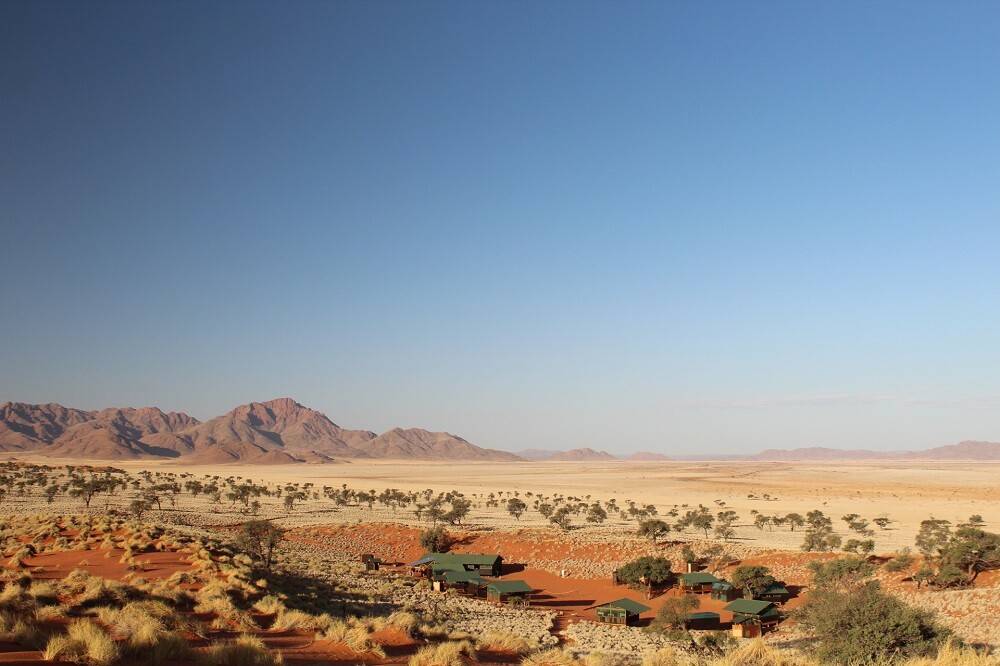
{"x": 506, "y": 642}
{"x": 356, "y": 636}
{"x": 269, "y": 604}
{"x": 951, "y": 654}
{"x": 246, "y": 650}
{"x": 404, "y": 621}
{"x": 758, "y": 653}
{"x": 662, "y": 657}
{"x": 86, "y": 642}
{"x": 553, "y": 657}
{"x": 443, "y": 654}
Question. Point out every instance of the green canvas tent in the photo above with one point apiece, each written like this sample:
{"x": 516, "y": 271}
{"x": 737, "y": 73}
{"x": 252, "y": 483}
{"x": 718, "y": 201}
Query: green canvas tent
{"x": 622, "y": 611}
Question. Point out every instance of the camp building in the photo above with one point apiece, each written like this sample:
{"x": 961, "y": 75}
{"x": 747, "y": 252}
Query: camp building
{"x": 702, "y": 621}
{"x": 699, "y": 581}
{"x": 468, "y": 581}
{"x": 509, "y": 590}
{"x": 775, "y": 593}
{"x": 623, "y": 611}
{"x": 482, "y": 564}
{"x": 751, "y": 617}
{"x": 725, "y": 591}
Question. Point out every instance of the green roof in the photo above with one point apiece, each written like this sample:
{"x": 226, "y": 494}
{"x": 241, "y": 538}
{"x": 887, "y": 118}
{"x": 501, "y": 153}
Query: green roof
{"x": 464, "y": 576}
{"x": 627, "y": 605}
{"x": 751, "y": 607}
{"x": 775, "y": 588}
{"x": 698, "y": 578}
{"x": 703, "y": 616}
{"x": 477, "y": 559}
{"x": 509, "y": 587}
{"x": 722, "y": 585}
{"x": 444, "y": 567}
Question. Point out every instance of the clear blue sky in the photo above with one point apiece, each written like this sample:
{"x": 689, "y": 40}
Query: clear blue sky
{"x": 681, "y": 227}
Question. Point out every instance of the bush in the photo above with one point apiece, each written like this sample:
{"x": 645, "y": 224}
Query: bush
{"x": 260, "y": 539}
{"x": 646, "y": 569}
{"x": 435, "y": 540}
{"x": 864, "y": 624}
{"x": 674, "y": 611}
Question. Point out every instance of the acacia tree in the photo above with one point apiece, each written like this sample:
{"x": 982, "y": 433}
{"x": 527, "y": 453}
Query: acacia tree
{"x": 794, "y": 520}
{"x": 653, "y": 528}
{"x": 516, "y": 508}
{"x": 260, "y": 539}
{"x": 674, "y": 612}
{"x": 865, "y": 625}
{"x": 596, "y": 513}
{"x": 724, "y": 529}
{"x": 819, "y": 535}
{"x": 972, "y": 551}
{"x": 843, "y": 572}
{"x": 932, "y": 537}
{"x": 435, "y": 540}
{"x": 561, "y": 517}
{"x": 754, "y": 579}
{"x": 646, "y": 570}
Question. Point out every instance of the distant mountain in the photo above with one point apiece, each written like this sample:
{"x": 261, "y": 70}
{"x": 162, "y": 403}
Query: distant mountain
{"x": 274, "y": 432}
{"x": 967, "y": 450}
{"x": 822, "y": 453}
{"x": 583, "y": 455}
{"x": 26, "y": 427}
{"x": 414, "y": 443}
{"x": 646, "y": 456}
{"x": 537, "y": 454}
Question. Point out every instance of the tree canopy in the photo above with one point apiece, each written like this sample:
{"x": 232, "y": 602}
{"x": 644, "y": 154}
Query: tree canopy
{"x": 752, "y": 578}
{"x": 864, "y": 624}
{"x": 646, "y": 570}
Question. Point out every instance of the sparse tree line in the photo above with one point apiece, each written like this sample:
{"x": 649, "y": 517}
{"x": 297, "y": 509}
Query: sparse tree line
{"x": 951, "y": 555}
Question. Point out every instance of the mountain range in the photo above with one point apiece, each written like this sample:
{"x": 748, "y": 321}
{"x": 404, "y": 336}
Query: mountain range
{"x": 277, "y": 431}
{"x": 283, "y": 431}
{"x": 587, "y": 455}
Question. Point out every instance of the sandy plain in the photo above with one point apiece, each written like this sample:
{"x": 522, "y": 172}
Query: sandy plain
{"x": 907, "y": 492}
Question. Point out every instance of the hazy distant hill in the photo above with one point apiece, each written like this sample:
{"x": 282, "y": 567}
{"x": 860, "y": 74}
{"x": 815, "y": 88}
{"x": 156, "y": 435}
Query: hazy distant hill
{"x": 822, "y": 453}
{"x": 967, "y": 450}
{"x": 537, "y": 454}
{"x": 646, "y": 456}
{"x": 277, "y": 431}
{"x": 583, "y": 454}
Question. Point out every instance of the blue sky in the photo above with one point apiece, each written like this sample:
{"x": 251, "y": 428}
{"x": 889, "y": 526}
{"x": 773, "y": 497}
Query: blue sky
{"x": 680, "y": 227}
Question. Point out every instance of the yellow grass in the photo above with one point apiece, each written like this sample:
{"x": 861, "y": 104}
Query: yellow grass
{"x": 443, "y": 654}
{"x": 245, "y": 650}
{"x": 84, "y": 641}
{"x": 553, "y": 657}
{"x": 506, "y": 642}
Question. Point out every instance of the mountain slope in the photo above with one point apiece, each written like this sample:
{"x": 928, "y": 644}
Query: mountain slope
{"x": 582, "y": 455}
{"x": 415, "y": 443}
{"x": 646, "y": 456}
{"x": 25, "y": 427}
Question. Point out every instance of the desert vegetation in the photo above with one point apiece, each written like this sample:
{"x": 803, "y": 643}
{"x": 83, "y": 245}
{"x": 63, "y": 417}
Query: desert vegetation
{"x": 214, "y": 568}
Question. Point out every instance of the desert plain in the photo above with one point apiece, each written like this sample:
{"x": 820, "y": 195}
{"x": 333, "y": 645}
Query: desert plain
{"x": 905, "y": 491}
{"x": 570, "y": 568}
